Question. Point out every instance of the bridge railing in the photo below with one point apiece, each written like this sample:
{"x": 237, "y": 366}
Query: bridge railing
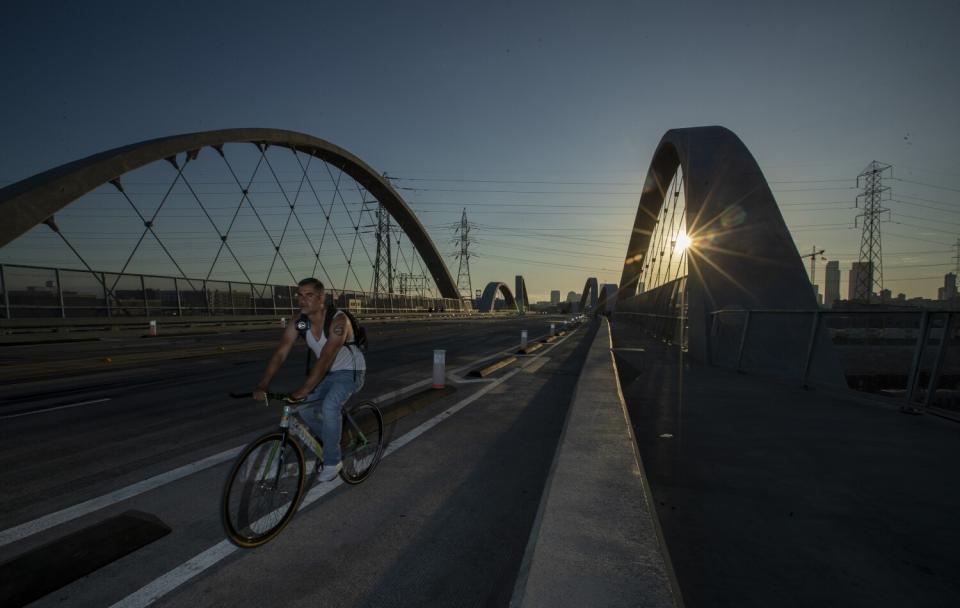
{"x": 39, "y": 291}
{"x": 911, "y": 357}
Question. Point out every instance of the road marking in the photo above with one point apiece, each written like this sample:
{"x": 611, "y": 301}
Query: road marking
{"x": 51, "y": 409}
{"x": 79, "y": 510}
{"x": 54, "y": 519}
{"x": 184, "y": 572}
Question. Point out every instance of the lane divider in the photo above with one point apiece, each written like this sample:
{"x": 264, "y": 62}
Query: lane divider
{"x": 483, "y": 372}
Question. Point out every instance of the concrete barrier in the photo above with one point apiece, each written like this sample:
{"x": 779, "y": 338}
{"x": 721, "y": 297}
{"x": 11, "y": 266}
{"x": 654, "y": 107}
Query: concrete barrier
{"x": 596, "y": 540}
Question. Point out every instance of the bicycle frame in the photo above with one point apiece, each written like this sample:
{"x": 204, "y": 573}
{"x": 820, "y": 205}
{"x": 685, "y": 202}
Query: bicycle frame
{"x": 292, "y": 423}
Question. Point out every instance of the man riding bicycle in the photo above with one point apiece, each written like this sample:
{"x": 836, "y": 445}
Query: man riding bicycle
{"x": 338, "y": 373}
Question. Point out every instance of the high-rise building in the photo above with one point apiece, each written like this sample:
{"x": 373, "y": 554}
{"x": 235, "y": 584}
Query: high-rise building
{"x": 857, "y": 272}
{"x": 949, "y": 289}
{"x": 555, "y": 297}
{"x": 573, "y": 296}
{"x": 831, "y": 285}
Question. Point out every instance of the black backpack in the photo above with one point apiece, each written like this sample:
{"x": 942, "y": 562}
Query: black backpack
{"x": 359, "y": 332}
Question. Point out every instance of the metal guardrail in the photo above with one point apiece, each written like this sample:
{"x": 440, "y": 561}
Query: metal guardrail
{"x": 916, "y": 352}
{"x": 871, "y": 332}
{"x": 39, "y": 291}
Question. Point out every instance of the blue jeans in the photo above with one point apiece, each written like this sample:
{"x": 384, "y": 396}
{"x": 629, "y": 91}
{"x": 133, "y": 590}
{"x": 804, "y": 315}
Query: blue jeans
{"x": 322, "y": 409}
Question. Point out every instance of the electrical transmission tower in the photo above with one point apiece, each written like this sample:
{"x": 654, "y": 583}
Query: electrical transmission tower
{"x": 463, "y": 241}
{"x": 956, "y": 258}
{"x": 383, "y": 263}
{"x": 870, "y": 271}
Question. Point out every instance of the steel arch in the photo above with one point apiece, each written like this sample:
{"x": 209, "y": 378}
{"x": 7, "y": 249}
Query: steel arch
{"x": 607, "y": 298}
{"x": 520, "y": 294}
{"x": 490, "y": 294}
{"x": 589, "y": 288}
{"x": 31, "y": 201}
{"x": 742, "y": 254}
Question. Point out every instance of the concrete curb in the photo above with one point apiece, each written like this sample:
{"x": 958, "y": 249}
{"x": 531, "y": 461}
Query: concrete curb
{"x": 595, "y": 540}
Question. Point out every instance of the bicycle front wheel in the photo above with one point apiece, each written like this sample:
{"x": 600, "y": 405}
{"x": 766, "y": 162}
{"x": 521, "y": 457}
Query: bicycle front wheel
{"x": 362, "y": 441}
{"x": 263, "y": 490}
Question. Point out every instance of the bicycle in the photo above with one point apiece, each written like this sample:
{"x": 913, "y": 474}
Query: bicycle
{"x": 267, "y": 481}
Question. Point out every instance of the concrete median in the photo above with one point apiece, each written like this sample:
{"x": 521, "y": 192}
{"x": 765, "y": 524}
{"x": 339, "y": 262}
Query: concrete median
{"x": 596, "y": 540}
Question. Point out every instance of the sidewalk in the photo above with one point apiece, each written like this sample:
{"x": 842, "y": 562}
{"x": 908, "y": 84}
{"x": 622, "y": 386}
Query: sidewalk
{"x": 771, "y": 495}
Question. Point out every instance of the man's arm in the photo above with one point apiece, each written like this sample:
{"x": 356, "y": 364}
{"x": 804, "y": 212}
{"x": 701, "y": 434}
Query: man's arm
{"x": 335, "y": 340}
{"x": 276, "y": 360}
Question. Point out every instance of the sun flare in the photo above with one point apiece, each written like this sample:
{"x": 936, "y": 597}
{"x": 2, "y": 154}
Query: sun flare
{"x": 683, "y": 241}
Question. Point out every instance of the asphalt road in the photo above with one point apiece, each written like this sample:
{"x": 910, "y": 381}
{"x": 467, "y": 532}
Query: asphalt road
{"x": 444, "y": 520}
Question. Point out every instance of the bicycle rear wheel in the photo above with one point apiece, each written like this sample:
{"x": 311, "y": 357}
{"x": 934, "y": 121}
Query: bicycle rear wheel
{"x": 263, "y": 490}
{"x": 362, "y": 441}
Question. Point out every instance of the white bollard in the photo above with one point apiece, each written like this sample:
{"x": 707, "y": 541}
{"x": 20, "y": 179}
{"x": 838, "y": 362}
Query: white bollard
{"x": 153, "y": 328}
{"x": 523, "y": 339}
{"x": 283, "y": 322}
{"x": 439, "y": 363}
{"x": 553, "y": 329}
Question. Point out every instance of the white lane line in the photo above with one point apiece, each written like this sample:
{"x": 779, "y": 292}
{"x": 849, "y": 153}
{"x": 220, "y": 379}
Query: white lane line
{"x": 184, "y": 572}
{"x": 54, "y": 519}
{"x": 50, "y": 409}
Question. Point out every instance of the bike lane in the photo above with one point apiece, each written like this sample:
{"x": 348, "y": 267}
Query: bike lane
{"x": 444, "y": 520}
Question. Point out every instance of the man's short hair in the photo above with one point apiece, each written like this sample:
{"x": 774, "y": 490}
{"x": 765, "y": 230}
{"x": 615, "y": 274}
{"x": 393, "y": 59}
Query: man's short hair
{"x": 315, "y": 283}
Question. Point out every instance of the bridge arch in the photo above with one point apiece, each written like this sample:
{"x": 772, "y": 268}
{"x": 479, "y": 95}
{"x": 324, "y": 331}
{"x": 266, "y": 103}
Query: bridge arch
{"x": 34, "y": 200}
{"x": 741, "y": 254}
{"x": 520, "y": 294}
{"x": 490, "y": 294}
{"x": 590, "y": 294}
{"x": 607, "y": 299}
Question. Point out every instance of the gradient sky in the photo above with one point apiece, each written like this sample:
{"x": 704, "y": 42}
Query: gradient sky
{"x": 547, "y": 92}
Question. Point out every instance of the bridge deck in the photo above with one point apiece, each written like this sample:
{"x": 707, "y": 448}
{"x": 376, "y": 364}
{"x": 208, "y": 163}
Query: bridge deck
{"x": 770, "y": 495}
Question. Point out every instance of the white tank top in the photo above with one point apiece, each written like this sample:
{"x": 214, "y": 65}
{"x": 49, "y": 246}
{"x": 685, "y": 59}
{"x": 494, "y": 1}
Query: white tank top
{"x": 348, "y": 357}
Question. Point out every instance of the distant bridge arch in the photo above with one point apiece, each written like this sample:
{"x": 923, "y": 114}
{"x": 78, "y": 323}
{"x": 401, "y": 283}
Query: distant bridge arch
{"x": 490, "y": 295}
{"x": 34, "y": 200}
{"x": 590, "y": 294}
{"x": 520, "y": 294}
{"x": 607, "y": 300}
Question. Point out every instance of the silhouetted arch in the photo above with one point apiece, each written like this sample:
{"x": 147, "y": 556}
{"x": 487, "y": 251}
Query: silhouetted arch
{"x": 490, "y": 294}
{"x": 29, "y": 202}
{"x": 520, "y": 294}
{"x": 742, "y": 255}
{"x": 590, "y": 292}
{"x": 608, "y": 298}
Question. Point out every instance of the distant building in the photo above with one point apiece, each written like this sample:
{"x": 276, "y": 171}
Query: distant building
{"x": 949, "y": 289}
{"x": 555, "y": 297}
{"x": 831, "y": 288}
{"x": 860, "y": 271}
{"x": 573, "y": 296}
{"x": 816, "y": 292}
{"x": 885, "y": 295}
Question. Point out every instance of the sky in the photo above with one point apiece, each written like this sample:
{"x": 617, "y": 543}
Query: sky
{"x": 539, "y": 118}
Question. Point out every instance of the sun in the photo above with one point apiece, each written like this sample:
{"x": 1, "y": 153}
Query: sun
{"x": 683, "y": 241}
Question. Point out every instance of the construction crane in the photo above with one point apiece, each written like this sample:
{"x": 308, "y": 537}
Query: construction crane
{"x": 813, "y": 262}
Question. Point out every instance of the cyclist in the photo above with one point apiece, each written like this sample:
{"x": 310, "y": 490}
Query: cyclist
{"x": 338, "y": 373}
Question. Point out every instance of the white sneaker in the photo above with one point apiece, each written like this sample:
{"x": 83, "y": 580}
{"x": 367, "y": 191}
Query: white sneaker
{"x": 330, "y": 472}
